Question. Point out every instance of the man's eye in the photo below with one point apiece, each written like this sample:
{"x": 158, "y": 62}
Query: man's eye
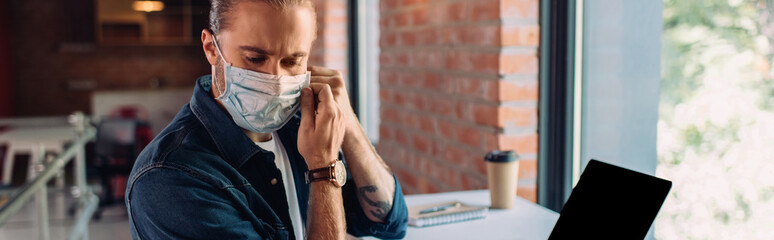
{"x": 256, "y": 60}
{"x": 291, "y": 63}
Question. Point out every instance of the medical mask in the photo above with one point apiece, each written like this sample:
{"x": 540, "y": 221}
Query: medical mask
{"x": 259, "y": 102}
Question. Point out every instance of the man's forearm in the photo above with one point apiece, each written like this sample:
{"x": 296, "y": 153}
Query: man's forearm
{"x": 374, "y": 182}
{"x": 326, "y": 212}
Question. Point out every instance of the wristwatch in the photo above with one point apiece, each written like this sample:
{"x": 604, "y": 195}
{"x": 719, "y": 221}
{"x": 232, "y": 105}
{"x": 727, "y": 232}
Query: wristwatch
{"x": 335, "y": 173}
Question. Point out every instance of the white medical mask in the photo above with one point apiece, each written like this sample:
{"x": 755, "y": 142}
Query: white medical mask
{"x": 259, "y": 102}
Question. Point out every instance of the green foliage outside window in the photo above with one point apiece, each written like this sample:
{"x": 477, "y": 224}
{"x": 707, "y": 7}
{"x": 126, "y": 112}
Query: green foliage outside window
{"x": 716, "y": 123}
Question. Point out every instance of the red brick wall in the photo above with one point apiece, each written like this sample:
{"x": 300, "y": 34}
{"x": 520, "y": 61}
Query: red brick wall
{"x": 330, "y": 47}
{"x": 457, "y": 80}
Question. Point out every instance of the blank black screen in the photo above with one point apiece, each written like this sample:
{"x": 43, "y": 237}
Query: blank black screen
{"x": 610, "y": 202}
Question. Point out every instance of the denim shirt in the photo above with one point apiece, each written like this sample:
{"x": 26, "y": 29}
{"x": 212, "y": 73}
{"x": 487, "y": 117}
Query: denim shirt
{"x": 203, "y": 178}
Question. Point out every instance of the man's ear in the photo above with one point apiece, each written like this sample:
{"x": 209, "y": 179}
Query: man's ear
{"x": 209, "y": 48}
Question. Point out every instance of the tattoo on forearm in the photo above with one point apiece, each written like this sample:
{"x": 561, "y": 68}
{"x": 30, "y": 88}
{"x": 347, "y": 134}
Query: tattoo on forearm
{"x": 381, "y": 207}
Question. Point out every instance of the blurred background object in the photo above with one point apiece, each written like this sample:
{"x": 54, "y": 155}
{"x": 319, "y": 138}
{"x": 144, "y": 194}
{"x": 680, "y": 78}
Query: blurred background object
{"x": 63, "y": 51}
{"x": 156, "y": 107}
{"x": 716, "y": 120}
{"x": 69, "y": 144}
{"x": 151, "y": 22}
{"x": 130, "y": 70}
{"x": 6, "y": 62}
{"x": 121, "y": 136}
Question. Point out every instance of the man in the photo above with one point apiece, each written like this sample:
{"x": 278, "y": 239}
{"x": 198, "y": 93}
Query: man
{"x": 238, "y": 162}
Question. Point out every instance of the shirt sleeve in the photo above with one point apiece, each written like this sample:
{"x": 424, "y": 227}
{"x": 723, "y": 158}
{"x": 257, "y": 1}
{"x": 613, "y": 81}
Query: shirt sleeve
{"x": 358, "y": 224}
{"x": 170, "y": 204}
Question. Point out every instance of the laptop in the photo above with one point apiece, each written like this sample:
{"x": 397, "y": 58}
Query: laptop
{"x": 611, "y": 202}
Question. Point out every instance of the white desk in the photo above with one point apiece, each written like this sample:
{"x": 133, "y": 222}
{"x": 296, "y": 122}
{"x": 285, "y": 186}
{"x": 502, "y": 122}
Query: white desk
{"x": 29, "y": 139}
{"x": 526, "y": 220}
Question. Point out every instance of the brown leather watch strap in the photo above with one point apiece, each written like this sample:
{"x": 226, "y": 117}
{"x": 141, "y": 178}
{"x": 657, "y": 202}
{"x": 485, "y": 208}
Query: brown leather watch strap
{"x": 335, "y": 173}
{"x": 320, "y": 174}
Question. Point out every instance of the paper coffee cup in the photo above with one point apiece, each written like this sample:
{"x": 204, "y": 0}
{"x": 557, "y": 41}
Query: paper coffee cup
{"x": 502, "y": 169}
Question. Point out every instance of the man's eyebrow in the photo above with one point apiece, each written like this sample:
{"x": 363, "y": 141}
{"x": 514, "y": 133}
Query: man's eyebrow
{"x": 298, "y": 54}
{"x": 255, "y": 49}
{"x": 264, "y": 52}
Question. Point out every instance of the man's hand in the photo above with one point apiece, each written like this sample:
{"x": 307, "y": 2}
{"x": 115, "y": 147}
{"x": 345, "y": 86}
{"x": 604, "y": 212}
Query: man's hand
{"x": 319, "y": 140}
{"x": 322, "y": 129}
{"x": 333, "y": 79}
{"x": 375, "y": 184}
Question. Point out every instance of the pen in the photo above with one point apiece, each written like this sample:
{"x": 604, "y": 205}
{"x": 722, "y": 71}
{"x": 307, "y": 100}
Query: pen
{"x": 439, "y": 208}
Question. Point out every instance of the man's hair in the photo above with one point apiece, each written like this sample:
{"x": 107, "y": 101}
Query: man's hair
{"x": 219, "y": 10}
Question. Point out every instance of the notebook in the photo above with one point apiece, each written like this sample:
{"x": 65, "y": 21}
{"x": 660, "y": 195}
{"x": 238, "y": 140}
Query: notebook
{"x": 442, "y": 213}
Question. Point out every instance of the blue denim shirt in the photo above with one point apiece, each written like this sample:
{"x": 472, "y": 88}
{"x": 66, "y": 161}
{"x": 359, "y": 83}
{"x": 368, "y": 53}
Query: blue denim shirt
{"x": 203, "y": 178}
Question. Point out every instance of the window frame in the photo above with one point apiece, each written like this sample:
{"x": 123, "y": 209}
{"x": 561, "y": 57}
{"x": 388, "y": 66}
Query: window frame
{"x": 558, "y": 120}
{"x": 363, "y": 56}
{"x": 353, "y": 58}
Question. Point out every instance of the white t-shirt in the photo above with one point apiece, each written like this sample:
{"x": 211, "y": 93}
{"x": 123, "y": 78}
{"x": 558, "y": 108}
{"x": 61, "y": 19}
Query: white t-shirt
{"x": 283, "y": 163}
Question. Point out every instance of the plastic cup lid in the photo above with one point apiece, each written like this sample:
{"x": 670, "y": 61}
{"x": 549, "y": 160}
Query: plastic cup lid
{"x": 501, "y": 156}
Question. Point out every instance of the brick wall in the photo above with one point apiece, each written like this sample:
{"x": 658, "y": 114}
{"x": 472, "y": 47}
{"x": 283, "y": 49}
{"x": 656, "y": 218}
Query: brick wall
{"x": 458, "y": 79}
{"x": 330, "y": 47}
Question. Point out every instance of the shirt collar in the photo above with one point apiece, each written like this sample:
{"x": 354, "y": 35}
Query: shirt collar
{"x": 234, "y": 145}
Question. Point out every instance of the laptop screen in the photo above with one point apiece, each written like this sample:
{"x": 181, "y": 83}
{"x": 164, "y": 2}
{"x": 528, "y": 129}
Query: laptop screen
{"x": 611, "y": 202}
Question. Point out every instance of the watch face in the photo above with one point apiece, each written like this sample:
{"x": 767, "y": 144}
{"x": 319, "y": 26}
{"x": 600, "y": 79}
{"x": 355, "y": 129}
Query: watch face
{"x": 340, "y": 173}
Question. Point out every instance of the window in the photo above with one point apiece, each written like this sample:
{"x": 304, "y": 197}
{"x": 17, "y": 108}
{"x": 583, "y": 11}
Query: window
{"x": 620, "y": 84}
{"x": 364, "y": 64}
{"x": 716, "y": 120}
{"x": 600, "y": 82}
{"x": 680, "y": 89}
{"x": 556, "y": 102}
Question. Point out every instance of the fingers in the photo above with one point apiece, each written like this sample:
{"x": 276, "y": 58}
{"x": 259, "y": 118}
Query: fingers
{"x": 327, "y": 108}
{"x": 322, "y": 71}
{"x": 321, "y": 79}
{"x": 320, "y": 90}
{"x": 324, "y": 95}
{"x": 327, "y": 119}
{"x": 307, "y": 109}
{"x": 327, "y": 76}
{"x": 334, "y": 81}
